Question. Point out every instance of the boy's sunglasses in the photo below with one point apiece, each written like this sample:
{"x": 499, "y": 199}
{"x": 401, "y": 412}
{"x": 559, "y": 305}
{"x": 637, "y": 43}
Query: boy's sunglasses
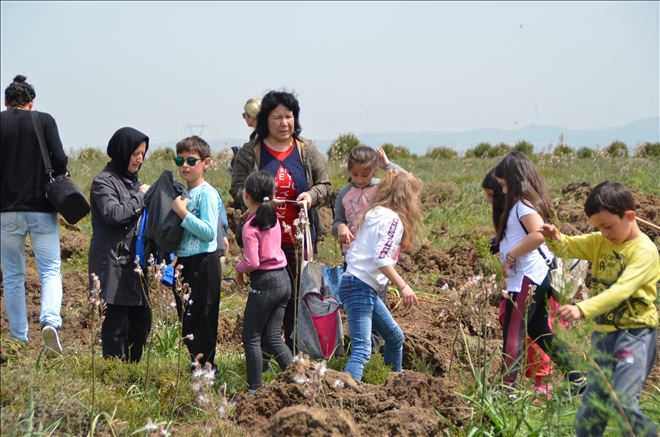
{"x": 191, "y": 160}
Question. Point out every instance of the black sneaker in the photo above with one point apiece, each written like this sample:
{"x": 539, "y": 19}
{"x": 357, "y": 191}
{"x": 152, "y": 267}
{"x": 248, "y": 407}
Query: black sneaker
{"x": 577, "y": 383}
{"x": 52, "y": 346}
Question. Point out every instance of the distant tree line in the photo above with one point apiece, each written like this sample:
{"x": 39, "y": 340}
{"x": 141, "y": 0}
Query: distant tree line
{"x": 343, "y": 144}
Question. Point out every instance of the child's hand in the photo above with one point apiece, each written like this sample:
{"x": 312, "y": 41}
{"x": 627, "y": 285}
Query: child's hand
{"x": 179, "y": 206}
{"x": 226, "y": 244}
{"x": 408, "y": 295}
{"x": 383, "y": 157}
{"x": 569, "y": 313}
{"x": 240, "y": 279}
{"x": 344, "y": 235}
{"x": 506, "y": 267}
{"x": 550, "y": 231}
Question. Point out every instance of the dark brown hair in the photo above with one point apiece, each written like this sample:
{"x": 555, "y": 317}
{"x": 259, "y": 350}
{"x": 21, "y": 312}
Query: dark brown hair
{"x": 523, "y": 184}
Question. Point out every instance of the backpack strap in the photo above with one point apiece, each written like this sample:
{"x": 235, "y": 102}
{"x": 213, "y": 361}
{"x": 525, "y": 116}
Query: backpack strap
{"x": 547, "y": 260}
{"x": 42, "y": 144}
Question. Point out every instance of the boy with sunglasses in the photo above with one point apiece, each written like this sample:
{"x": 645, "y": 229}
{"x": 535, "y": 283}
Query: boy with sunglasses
{"x": 198, "y": 251}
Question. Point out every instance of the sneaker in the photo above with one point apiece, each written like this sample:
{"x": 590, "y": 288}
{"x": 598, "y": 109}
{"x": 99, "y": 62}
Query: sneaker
{"x": 577, "y": 383}
{"x": 52, "y": 345}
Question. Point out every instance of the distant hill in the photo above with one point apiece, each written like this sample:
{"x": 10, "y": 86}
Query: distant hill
{"x": 647, "y": 129}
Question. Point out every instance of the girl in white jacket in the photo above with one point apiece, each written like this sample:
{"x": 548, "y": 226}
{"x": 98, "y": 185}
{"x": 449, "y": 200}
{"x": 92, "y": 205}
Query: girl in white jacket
{"x": 390, "y": 224}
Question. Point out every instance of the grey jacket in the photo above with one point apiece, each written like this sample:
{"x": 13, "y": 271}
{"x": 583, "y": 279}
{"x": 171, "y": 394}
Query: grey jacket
{"x": 116, "y": 207}
{"x": 247, "y": 161}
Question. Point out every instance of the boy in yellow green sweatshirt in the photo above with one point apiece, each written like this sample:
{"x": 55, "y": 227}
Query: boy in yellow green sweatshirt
{"x": 624, "y": 273}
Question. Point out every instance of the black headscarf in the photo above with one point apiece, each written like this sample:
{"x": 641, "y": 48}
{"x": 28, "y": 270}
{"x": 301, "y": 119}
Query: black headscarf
{"x": 120, "y": 148}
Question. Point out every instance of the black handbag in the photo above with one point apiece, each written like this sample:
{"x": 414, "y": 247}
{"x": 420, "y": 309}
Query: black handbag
{"x": 61, "y": 191}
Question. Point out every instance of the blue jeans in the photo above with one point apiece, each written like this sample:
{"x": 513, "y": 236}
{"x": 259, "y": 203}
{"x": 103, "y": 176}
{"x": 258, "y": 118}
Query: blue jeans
{"x": 364, "y": 309}
{"x": 43, "y": 230}
{"x": 625, "y": 359}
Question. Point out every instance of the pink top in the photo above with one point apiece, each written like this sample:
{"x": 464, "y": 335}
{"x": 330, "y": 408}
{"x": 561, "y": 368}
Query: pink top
{"x": 262, "y": 250}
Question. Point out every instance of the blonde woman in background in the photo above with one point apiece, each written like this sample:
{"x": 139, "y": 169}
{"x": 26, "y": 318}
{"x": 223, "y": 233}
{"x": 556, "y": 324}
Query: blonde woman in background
{"x": 250, "y": 111}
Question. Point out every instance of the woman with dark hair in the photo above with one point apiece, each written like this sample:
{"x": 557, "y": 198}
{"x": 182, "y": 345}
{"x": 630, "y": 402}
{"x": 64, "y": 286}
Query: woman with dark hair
{"x": 26, "y": 210}
{"x": 299, "y": 172}
{"x": 117, "y": 200}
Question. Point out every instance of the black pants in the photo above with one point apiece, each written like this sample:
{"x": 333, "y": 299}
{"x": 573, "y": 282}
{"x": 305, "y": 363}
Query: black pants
{"x": 200, "y": 318}
{"x": 262, "y": 324}
{"x": 124, "y": 331}
{"x": 527, "y": 311}
{"x": 292, "y": 269}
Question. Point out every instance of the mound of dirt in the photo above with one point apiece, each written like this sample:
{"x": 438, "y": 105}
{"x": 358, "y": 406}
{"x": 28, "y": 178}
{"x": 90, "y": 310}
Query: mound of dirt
{"x": 434, "y": 193}
{"x": 74, "y": 306}
{"x": 451, "y": 267}
{"x": 570, "y": 210}
{"x": 73, "y": 243}
{"x": 405, "y": 405}
{"x": 230, "y": 332}
{"x": 432, "y": 332}
{"x": 304, "y": 421}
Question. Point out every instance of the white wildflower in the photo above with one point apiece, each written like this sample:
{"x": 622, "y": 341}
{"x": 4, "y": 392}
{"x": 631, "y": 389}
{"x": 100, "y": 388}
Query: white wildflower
{"x": 150, "y": 426}
{"x": 300, "y": 378}
{"x": 321, "y": 369}
{"x": 338, "y": 383}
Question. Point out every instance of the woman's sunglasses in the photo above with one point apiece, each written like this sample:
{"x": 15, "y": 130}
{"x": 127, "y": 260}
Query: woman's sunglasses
{"x": 191, "y": 160}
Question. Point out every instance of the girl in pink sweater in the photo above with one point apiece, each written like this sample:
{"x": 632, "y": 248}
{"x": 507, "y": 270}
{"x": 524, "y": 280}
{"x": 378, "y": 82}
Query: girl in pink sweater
{"x": 270, "y": 287}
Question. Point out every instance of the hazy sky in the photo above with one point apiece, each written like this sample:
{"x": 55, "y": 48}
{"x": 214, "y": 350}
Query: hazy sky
{"x": 362, "y": 67}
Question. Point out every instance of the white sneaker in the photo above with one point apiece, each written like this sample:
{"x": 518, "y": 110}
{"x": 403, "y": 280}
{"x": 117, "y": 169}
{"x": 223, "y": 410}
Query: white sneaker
{"x": 52, "y": 345}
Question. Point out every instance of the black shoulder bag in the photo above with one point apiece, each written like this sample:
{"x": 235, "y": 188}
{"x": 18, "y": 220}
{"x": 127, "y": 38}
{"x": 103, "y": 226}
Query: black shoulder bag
{"x": 61, "y": 191}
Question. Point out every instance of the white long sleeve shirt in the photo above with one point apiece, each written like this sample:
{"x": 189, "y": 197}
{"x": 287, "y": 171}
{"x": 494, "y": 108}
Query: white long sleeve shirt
{"x": 376, "y": 245}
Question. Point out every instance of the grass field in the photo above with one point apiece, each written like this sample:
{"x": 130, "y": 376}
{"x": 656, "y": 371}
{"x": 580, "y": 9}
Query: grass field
{"x": 80, "y": 393}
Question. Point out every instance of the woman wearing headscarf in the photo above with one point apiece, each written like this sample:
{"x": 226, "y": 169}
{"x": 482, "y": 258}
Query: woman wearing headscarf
{"x": 298, "y": 169}
{"x": 117, "y": 200}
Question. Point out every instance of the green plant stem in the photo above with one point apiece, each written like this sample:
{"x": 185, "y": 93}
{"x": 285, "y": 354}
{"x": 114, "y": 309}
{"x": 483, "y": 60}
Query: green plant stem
{"x": 148, "y": 342}
{"x": 178, "y": 362}
{"x": 91, "y": 413}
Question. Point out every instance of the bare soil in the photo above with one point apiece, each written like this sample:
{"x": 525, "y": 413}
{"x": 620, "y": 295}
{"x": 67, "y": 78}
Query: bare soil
{"x": 449, "y": 323}
{"x": 337, "y": 405}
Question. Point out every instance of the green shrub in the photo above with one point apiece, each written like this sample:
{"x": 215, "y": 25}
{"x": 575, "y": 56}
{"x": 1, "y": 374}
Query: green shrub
{"x": 396, "y": 153}
{"x": 563, "y": 149}
{"x": 481, "y": 150}
{"x": 585, "y": 153}
{"x": 524, "y": 147}
{"x": 617, "y": 149}
{"x": 648, "y": 150}
{"x": 92, "y": 154}
{"x": 441, "y": 153}
{"x": 499, "y": 150}
{"x": 342, "y": 146}
{"x": 164, "y": 154}
{"x": 376, "y": 371}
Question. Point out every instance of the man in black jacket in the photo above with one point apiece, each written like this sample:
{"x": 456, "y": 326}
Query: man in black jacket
{"x": 24, "y": 210}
